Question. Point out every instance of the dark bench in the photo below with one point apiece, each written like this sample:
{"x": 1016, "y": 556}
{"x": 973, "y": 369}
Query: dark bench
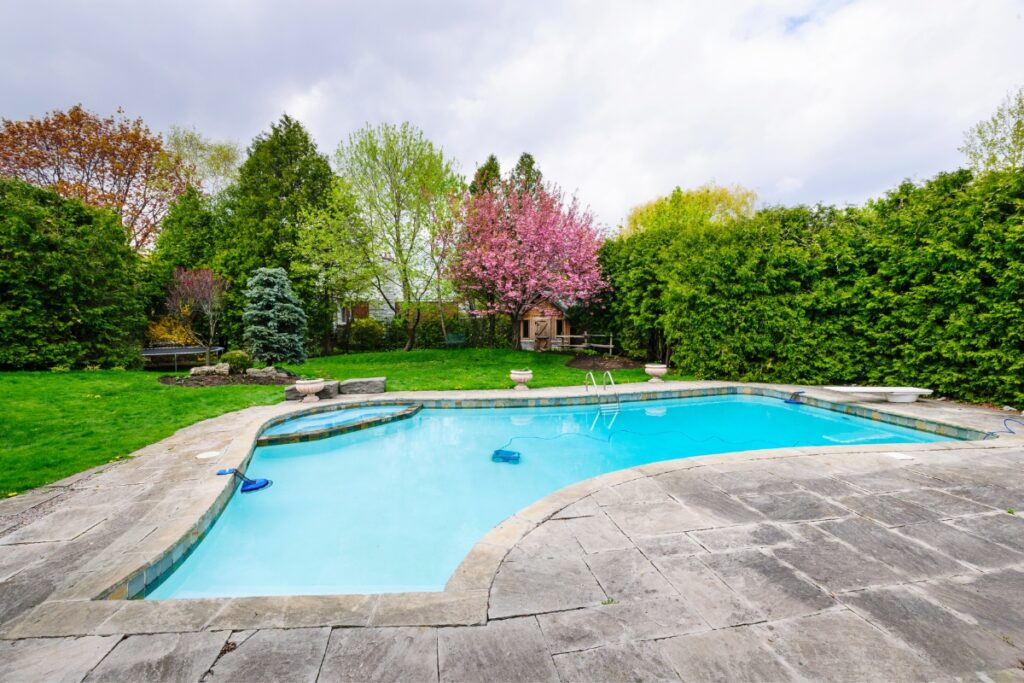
{"x": 175, "y": 351}
{"x": 454, "y": 339}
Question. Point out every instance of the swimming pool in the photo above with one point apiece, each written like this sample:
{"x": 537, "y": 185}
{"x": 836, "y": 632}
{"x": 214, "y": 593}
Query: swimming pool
{"x": 397, "y": 507}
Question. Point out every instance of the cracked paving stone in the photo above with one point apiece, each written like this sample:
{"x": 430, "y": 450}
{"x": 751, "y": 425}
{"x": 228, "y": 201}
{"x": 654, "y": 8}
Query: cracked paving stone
{"x": 591, "y": 627}
{"x": 275, "y": 655}
{"x": 619, "y": 662}
{"x": 995, "y": 600}
{"x": 52, "y": 659}
{"x": 888, "y": 510}
{"x": 738, "y": 537}
{"x": 902, "y": 554}
{"x": 796, "y": 506}
{"x": 162, "y": 657}
{"x": 769, "y": 585}
{"x": 836, "y": 567}
{"x": 963, "y": 546}
{"x": 543, "y": 585}
{"x": 941, "y": 502}
{"x": 628, "y": 575}
{"x": 1002, "y": 528}
{"x": 956, "y": 645}
{"x": 716, "y": 602}
{"x": 381, "y": 654}
{"x": 731, "y": 654}
{"x": 505, "y": 650}
{"x": 598, "y": 533}
{"x": 840, "y": 646}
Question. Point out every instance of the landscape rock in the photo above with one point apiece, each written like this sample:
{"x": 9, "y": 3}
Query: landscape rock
{"x": 363, "y": 385}
{"x": 268, "y": 371}
{"x": 218, "y": 369}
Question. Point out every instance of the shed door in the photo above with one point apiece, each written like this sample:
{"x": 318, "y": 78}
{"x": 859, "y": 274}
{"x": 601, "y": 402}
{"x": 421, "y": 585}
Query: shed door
{"x": 542, "y": 328}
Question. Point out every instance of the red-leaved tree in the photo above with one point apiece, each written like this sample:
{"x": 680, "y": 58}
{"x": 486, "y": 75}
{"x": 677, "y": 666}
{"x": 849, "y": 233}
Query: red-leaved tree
{"x": 113, "y": 162}
{"x": 195, "y": 292}
{"x": 516, "y": 247}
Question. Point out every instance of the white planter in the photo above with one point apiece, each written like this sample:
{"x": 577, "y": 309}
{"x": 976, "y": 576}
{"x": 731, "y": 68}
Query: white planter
{"x": 656, "y": 371}
{"x": 309, "y": 389}
{"x": 521, "y": 377}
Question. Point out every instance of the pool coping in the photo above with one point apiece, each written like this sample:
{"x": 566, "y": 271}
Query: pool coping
{"x": 464, "y": 600}
{"x": 263, "y": 439}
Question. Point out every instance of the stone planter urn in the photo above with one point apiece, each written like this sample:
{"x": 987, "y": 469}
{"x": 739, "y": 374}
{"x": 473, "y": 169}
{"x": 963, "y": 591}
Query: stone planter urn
{"x": 521, "y": 377}
{"x": 309, "y": 389}
{"x": 656, "y": 371}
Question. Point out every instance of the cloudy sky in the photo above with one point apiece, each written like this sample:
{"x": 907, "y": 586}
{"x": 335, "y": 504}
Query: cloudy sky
{"x": 801, "y": 100}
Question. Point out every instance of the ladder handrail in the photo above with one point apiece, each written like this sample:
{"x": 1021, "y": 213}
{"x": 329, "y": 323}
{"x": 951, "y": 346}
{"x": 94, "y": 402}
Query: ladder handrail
{"x": 610, "y": 380}
{"x": 593, "y": 380}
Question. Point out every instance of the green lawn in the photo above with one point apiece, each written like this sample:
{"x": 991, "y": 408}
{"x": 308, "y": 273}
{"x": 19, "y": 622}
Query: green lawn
{"x": 56, "y": 424}
{"x": 456, "y": 369}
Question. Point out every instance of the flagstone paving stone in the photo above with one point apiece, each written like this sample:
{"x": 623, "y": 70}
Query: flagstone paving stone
{"x": 840, "y": 563}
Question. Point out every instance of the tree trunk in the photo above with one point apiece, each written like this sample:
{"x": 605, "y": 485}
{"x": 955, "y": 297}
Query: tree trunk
{"x": 411, "y": 323}
{"x": 517, "y": 330}
{"x": 492, "y": 319}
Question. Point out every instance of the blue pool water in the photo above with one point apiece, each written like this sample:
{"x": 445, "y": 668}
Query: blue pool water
{"x": 397, "y": 507}
{"x": 334, "y": 418}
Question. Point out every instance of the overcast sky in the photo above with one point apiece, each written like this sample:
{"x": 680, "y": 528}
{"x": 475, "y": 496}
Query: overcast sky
{"x": 619, "y": 102}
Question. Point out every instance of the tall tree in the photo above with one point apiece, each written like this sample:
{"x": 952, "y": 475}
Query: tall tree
{"x": 524, "y": 245}
{"x": 525, "y": 176}
{"x": 113, "y": 162}
{"x": 330, "y": 261}
{"x": 709, "y": 203}
{"x": 401, "y": 181}
{"x": 197, "y": 297}
{"x": 215, "y": 163}
{"x": 283, "y": 176}
{"x": 67, "y": 283}
{"x": 487, "y": 176}
{"x": 998, "y": 143}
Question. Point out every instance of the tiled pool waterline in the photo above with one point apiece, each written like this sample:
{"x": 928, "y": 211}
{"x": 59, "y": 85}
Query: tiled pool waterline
{"x": 395, "y": 508}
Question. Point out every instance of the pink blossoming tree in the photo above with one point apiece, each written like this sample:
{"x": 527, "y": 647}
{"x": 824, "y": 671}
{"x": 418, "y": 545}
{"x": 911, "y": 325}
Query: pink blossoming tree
{"x": 516, "y": 247}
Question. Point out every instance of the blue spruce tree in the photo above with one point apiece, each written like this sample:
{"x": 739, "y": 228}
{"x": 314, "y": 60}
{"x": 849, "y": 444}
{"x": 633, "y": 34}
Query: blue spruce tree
{"x": 275, "y": 324}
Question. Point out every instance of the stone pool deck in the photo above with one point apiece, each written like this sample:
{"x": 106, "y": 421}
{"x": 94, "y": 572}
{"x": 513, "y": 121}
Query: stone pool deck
{"x": 838, "y": 563}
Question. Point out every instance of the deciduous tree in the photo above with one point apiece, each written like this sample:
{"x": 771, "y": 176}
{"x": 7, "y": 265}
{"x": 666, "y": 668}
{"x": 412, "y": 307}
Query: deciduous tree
{"x": 113, "y": 162}
{"x": 330, "y": 260}
{"x": 215, "y": 163}
{"x": 402, "y": 183}
{"x": 998, "y": 143}
{"x": 196, "y": 293}
{"x": 520, "y": 246}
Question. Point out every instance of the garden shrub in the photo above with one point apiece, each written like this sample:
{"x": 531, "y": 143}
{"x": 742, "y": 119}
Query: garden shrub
{"x": 67, "y": 283}
{"x": 367, "y": 335}
{"x": 239, "y": 361}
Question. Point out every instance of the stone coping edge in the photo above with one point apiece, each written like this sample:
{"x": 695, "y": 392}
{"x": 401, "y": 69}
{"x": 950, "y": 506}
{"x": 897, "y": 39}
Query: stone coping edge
{"x": 313, "y": 435}
{"x": 464, "y": 598}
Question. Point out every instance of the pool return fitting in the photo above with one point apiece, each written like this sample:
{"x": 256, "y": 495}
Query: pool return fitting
{"x": 248, "y": 485}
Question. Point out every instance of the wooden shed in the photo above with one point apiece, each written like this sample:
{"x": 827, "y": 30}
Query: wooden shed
{"x": 544, "y": 326}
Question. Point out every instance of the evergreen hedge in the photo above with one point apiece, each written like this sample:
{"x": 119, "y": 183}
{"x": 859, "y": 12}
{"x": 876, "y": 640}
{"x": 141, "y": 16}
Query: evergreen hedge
{"x": 67, "y": 283}
{"x": 923, "y": 287}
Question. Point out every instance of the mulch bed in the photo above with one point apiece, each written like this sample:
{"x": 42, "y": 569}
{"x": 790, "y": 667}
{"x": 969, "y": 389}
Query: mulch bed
{"x": 603, "y": 363}
{"x": 223, "y": 380}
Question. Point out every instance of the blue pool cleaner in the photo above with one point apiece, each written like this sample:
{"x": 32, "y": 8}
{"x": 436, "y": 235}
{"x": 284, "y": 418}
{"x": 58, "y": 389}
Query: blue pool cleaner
{"x": 511, "y": 457}
{"x": 248, "y": 485}
{"x": 795, "y": 398}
